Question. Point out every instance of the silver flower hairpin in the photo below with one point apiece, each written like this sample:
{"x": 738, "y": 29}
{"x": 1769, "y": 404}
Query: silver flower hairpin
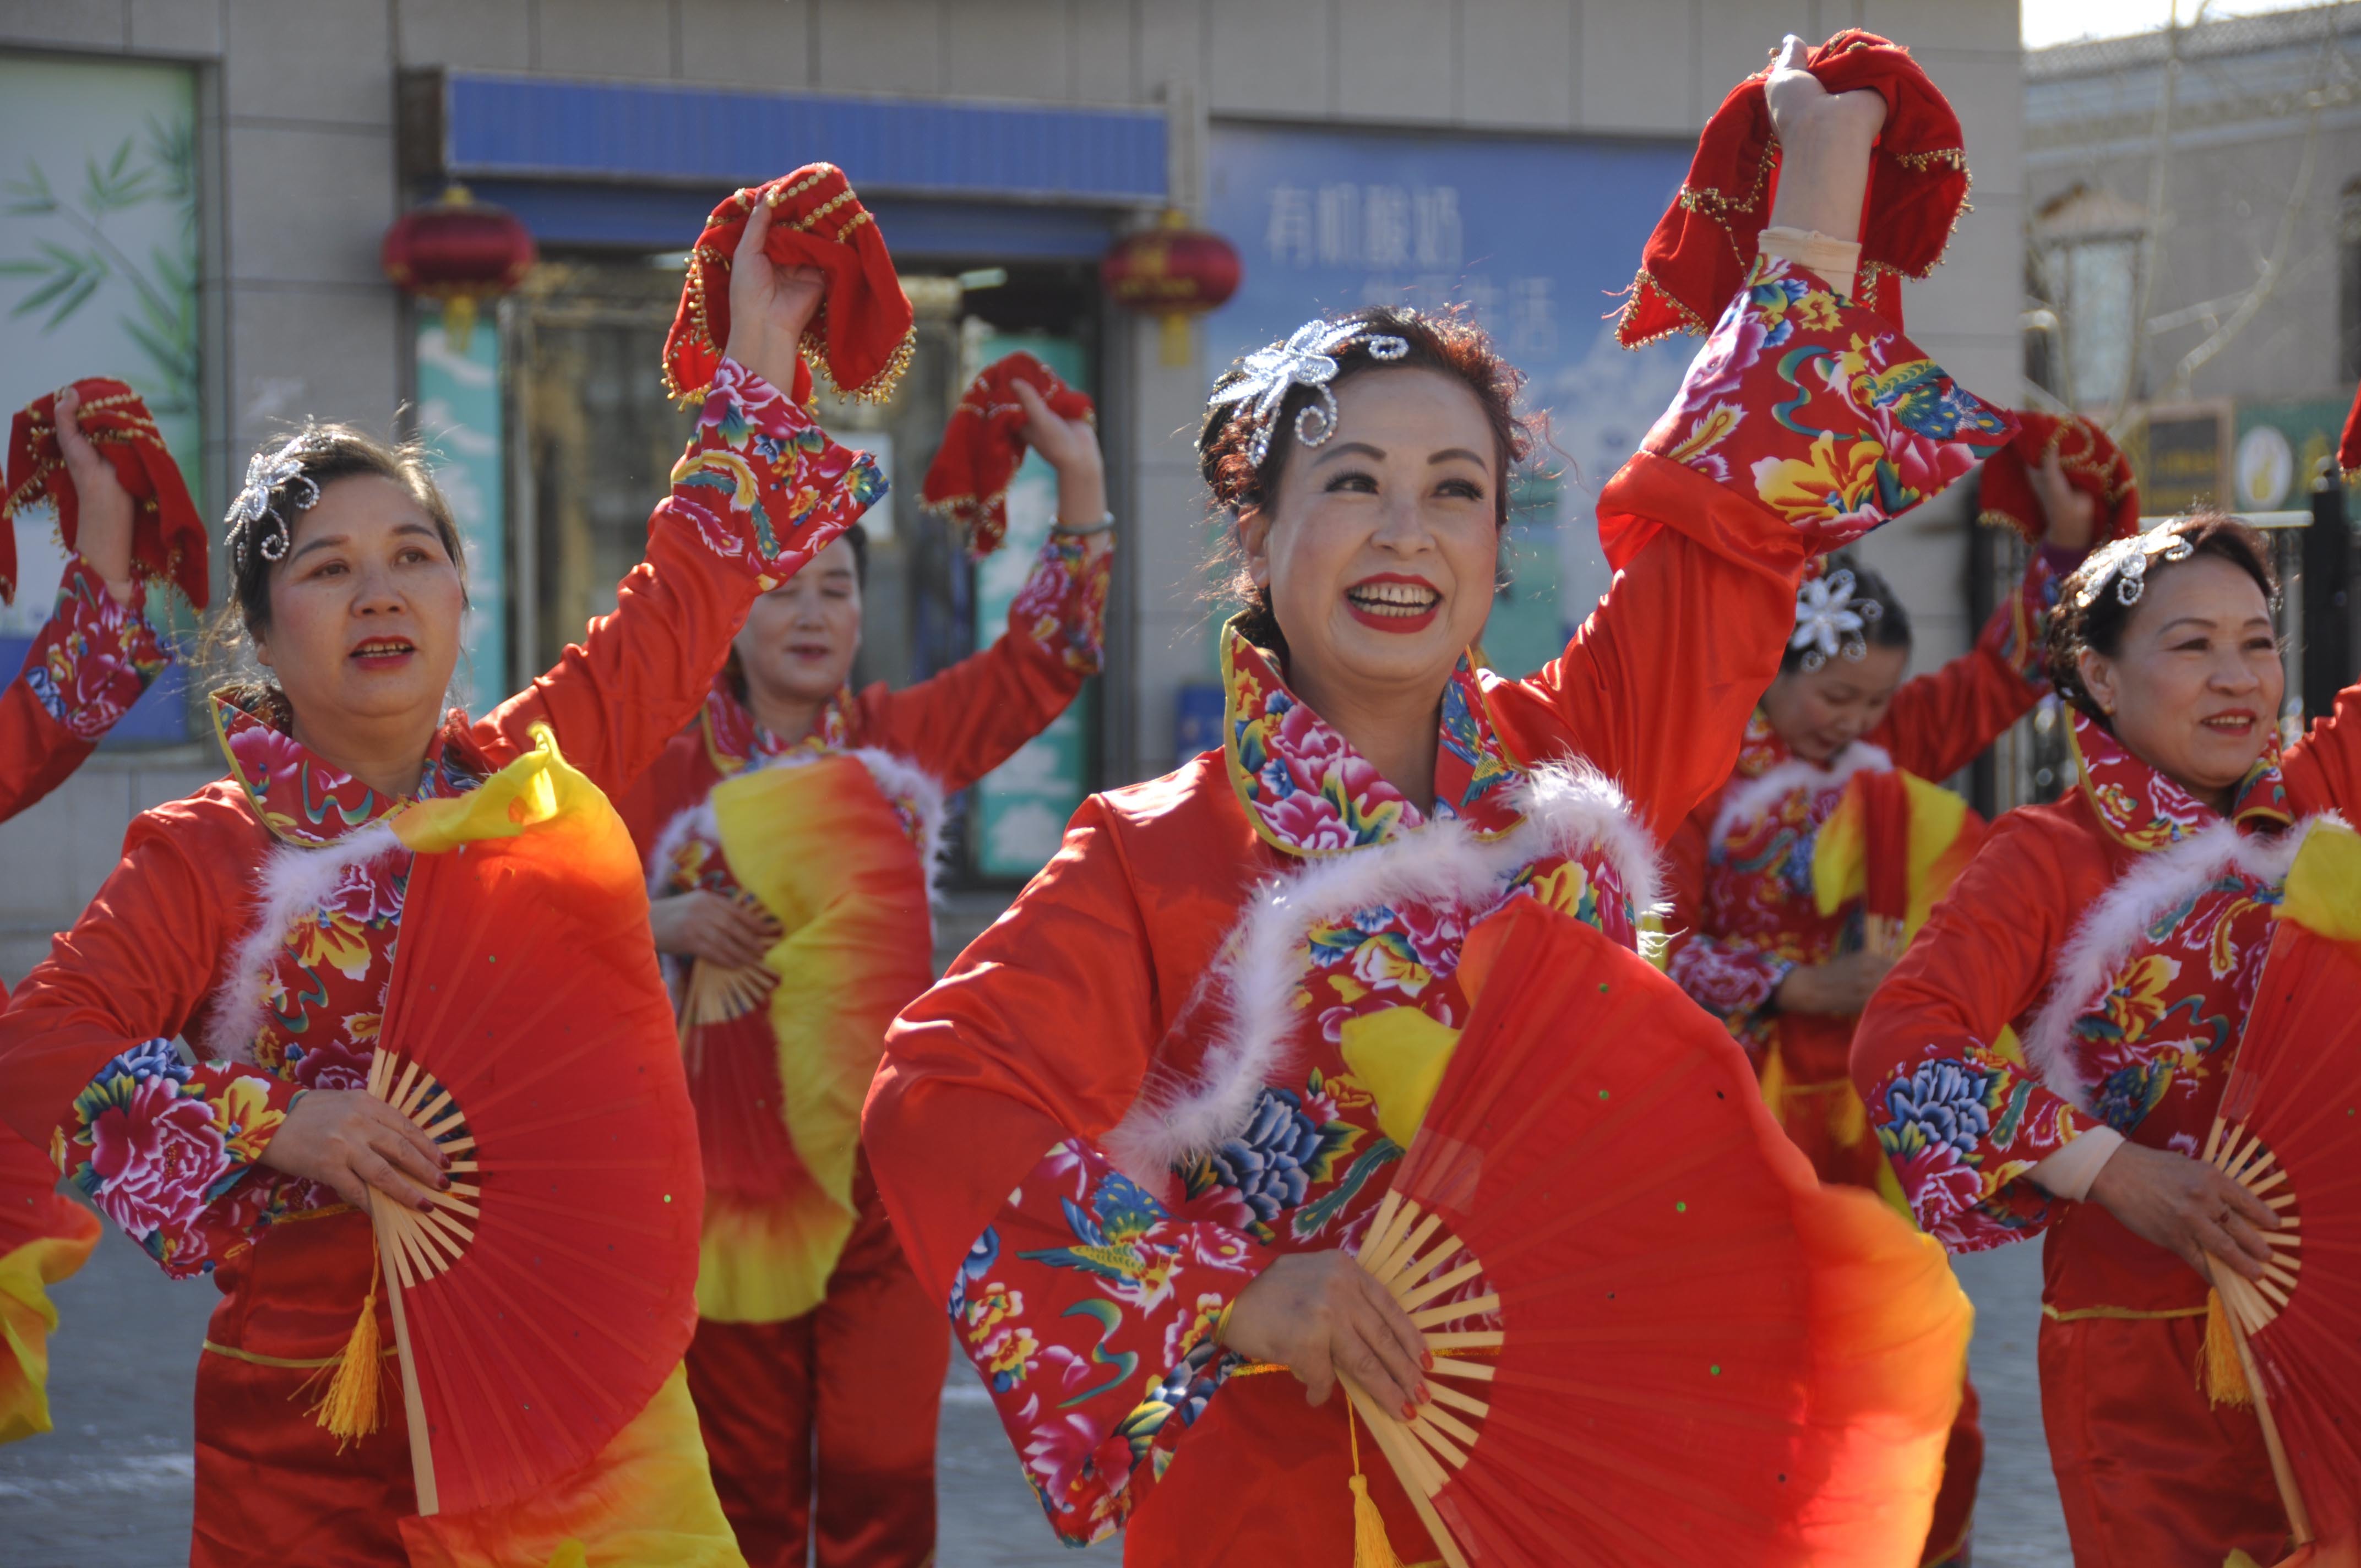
{"x": 2124, "y": 565}
{"x": 1830, "y": 622}
{"x": 266, "y": 474}
{"x": 1306, "y": 359}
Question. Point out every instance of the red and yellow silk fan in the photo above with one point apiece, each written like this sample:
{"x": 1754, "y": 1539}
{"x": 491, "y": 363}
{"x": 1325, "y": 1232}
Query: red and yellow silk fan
{"x": 1896, "y": 843}
{"x": 544, "y": 1302}
{"x": 1658, "y": 1340}
{"x": 43, "y": 1238}
{"x": 2289, "y": 1131}
{"x": 779, "y": 1093}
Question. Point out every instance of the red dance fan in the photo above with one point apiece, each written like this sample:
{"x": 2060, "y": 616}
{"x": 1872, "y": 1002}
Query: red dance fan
{"x": 861, "y": 334}
{"x": 544, "y": 1301}
{"x": 967, "y": 483}
{"x": 1707, "y": 239}
{"x": 2289, "y": 1131}
{"x": 168, "y": 541}
{"x": 1657, "y": 1339}
{"x": 2091, "y": 462}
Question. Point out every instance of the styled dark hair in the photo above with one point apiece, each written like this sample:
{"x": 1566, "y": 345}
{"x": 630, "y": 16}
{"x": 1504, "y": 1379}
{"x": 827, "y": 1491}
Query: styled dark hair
{"x": 1447, "y": 341}
{"x": 2099, "y": 627}
{"x": 323, "y": 454}
{"x": 1889, "y": 627}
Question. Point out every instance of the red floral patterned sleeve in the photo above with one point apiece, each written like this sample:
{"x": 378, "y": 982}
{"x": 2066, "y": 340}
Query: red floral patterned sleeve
{"x": 1804, "y": 421}
{"x": 1961, "y": 1120}
{"x": 89, "y": 1072}
{"x": 964, "y": 722}
{"x": 1821, "y": 412}
{"x": 1062, "y": 608}
{"x": 760, "y": 490}
{"x": 164, "y": 1149}
{"x": 91, "y": 663}
{"x": 1941, "y": 721}
{"x": 1089, "y": 1309}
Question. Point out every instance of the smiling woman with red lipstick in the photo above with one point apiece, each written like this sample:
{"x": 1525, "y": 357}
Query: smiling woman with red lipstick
{"x": 1132, "y": 1137}
{"x": 2120, "y": 933}
{"x": 257, "y": 920}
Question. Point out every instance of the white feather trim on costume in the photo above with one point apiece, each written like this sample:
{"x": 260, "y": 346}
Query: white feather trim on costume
{"x": 689, "y": 822}
{"x": 1748, "y": 801}
{"x": 294, "y": 882}
{"x": 2117, "y": 923}
{"x": 896, "y": 778}
{"x": 1567, "y": 809}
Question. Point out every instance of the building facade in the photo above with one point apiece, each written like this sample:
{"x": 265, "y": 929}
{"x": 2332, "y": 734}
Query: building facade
{"x": 219, "y": 174}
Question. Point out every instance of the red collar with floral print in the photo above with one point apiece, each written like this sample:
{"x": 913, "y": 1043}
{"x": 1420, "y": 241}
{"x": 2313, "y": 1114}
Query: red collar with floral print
{"x": 302, "y": 800}
{"x": 2142, "y": 809}
{"x": 1309, "y": 792}
{"x": 732, "y": 738}
{"x": 1758, "y": 749}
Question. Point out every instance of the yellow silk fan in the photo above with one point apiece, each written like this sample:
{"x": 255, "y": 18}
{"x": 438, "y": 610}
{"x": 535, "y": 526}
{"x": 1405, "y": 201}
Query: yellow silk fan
{"x": 779, "y": 1090}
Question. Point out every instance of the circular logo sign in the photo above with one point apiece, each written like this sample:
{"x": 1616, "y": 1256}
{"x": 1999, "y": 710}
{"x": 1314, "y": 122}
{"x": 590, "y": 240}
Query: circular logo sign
{"x": 2266, "y": 468}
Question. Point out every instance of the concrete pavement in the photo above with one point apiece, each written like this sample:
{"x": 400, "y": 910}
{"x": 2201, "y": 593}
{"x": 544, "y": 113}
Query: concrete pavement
{"x": 111, "y": 1486}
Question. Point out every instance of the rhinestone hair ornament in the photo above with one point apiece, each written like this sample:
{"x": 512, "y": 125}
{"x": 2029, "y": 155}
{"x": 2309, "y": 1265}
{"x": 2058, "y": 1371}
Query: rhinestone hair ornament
{"x": 1306, "y": 359}
{"x": 253, "y": 521}
{"x": 2124, "y": 565}
{"x": 1831, "y": 622}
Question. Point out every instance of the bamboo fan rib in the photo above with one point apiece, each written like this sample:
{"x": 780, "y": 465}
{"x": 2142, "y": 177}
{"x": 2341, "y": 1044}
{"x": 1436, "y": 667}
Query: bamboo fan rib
{"x": 2239, "y": 1154}
{"x": 425, "y": 1243}
{"x": 1443, "y": 1432}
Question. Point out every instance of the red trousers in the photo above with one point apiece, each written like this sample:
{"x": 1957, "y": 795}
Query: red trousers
{"x": 2151, "y": 1474}
{"x": 821, "y": 1429}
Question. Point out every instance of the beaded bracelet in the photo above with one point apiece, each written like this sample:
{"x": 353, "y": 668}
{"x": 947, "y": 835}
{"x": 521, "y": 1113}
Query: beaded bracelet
{"x": 1100, "y": 526}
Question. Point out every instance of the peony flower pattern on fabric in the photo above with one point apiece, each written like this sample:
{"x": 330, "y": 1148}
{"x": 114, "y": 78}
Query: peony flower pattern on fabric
{"x": 1822, "y": 412}
{"x": 93, "y": 657}
{"x": 1963, "y": 1123}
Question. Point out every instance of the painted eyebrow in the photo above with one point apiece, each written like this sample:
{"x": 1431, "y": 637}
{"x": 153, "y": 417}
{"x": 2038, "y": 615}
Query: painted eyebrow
{"x": 2202, "y": 623}
{"x": 325, "y": 541}
{"x": 1350, "y": 448}
{"x": 1449, "y": 453}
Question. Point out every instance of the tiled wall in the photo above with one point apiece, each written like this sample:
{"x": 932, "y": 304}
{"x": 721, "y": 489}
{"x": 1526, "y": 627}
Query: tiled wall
{"x": 304, "y": 187}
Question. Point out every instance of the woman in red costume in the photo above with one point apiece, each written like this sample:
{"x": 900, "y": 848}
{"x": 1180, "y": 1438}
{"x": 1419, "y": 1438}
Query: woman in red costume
{"x": 1753, "y": 940}
{"x": 1069, "y": 1064}
{"x": 2048, "y": 1055}
{"x": 94, "y": 658}
{"x": 818, "y": 1359}
{"x": 242, "y": 920}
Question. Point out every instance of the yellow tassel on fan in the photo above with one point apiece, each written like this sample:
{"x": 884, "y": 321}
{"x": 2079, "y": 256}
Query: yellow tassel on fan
{"x": 1370, "y": 1546}
{"x": 2220, "y": 1373}
{"x": 351, "y": 1408}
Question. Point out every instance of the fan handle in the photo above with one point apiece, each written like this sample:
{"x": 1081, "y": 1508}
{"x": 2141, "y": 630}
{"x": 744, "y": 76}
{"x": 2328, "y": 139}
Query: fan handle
{"x": 413, "y": 1403}
{"x": 2290, "y": 1495}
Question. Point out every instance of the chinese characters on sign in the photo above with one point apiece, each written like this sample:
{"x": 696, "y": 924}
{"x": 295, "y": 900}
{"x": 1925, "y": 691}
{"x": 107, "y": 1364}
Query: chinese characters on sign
{"x": 1412, "y": 243}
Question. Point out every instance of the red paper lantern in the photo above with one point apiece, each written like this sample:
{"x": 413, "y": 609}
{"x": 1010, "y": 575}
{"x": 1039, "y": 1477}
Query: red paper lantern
{"x": 457, "y": 251}
{"x": 1172, "y": 272}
